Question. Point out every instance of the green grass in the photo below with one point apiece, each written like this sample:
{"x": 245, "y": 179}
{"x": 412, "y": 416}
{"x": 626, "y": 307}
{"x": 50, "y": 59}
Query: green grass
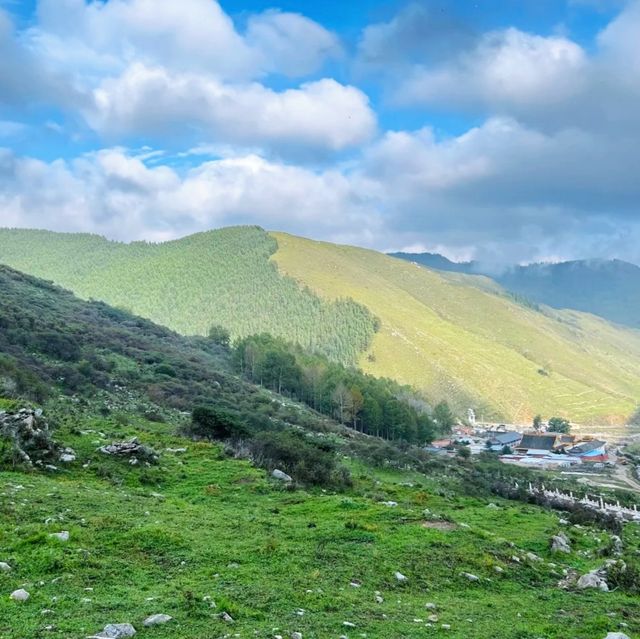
{"x": 162, "y": 539}
{"x": 460, "y": 338}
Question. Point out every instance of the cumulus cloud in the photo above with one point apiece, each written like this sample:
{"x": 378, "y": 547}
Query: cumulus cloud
{"x": 548, "y": 170}
{"x": 417, "y": 34}
{"x": 290, "y": 43}
{"x": 322, "y": 114}
{"x": 193, "y": 35}
{"x": 510, "y": 191}
{"x": 113, "y": 192}
{"x": 508, "y": 71}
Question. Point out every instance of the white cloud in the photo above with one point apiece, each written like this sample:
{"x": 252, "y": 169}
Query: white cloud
{"x": 508, "y": 70}
{"x": 114, "y": 193}
{"x": 148, "y": 101}
{"x": 189, "y": 35}
{"x": 290, "y": 43}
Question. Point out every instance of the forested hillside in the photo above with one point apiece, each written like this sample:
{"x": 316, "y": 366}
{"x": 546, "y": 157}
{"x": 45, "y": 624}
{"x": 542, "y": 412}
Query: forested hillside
{"x": 452, "y": 336}
{"x": 222, "y": 277}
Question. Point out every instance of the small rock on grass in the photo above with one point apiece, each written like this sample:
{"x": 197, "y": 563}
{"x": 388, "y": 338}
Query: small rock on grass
{"x": 116, "y": 631}
{"x": 20, "y": 595}
{"x": 157, "y": 620}
{"x": 63, "y": 535}
{"x": 4, "y": 567}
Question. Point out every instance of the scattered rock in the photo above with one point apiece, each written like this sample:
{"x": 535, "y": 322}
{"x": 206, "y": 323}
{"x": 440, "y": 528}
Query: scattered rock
{"x": 470, "y": 577}
{"x": 282, "y": 476}
{"x": 156, "y": 620}
{"x": 60, "y": 536}
{"x": 68, "y": 455}
{"x": 493, "y": 506}
{"x": 4, "y": 567}
{"x": 379, "y": 599}
{"x": 430, "y": 606}
{"x": 498, "y": 569}
{"x": 531, "y": 556}
{"x": 593, "y": 579}
{"x": 20, "y": 595}
{"x": 560, "y": 543}
{"x": 390, "y": 504}
{"x": 400, "y": 577}
{"x": 296, "y": 635}
{"x": 132, "y": 449}
{"x": 617, "y": 635}
{"x": 116, "y": 631}
{"x": 226, "y": 617}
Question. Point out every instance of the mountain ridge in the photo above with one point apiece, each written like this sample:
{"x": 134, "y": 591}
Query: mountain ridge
{"x": 452, "y": 336}
{"x": 607, "y": 288}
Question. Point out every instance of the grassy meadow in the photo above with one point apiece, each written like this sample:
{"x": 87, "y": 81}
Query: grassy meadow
{"x": 202, "y": 534}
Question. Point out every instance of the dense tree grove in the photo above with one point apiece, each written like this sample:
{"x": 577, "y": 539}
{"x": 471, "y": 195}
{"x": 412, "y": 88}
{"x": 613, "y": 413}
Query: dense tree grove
{"x": 370, "y": 405}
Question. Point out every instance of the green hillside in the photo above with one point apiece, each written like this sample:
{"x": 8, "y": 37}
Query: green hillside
{"x": 199, "y": 531}
{"x": 454, "y": 336}
{"x": 222, "y": 277}
{"x": 461, "y": 337}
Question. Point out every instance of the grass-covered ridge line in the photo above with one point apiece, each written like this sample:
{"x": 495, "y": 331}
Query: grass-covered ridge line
{"x": 222, "y": 277}
{"x": 461, "y": 338}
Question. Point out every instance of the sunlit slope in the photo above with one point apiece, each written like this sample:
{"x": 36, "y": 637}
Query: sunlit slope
{"x": 459, "y": 337}
{"x": 218, "y": 277}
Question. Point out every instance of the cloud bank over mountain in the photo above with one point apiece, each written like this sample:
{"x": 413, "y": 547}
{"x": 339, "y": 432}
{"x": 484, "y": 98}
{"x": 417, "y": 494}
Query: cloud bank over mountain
{"x": 152, "y": 119}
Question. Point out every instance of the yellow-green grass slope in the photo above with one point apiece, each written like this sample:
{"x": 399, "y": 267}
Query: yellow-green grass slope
{"x": 462, "y": 338}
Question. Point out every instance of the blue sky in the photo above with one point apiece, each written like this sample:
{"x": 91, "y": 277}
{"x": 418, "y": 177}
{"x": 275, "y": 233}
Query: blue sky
{"x": 501, "y": 130}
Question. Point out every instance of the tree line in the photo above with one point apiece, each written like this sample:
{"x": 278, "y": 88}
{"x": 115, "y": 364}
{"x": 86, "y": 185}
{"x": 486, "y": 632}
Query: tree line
{"x": 375, "y": 406}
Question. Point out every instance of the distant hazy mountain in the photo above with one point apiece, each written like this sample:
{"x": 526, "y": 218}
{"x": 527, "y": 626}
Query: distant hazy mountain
{"x": 608, "y": 288}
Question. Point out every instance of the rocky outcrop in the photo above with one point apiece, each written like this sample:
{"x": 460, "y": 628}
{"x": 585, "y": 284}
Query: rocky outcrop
{"x": 132, "y": 449}
{"x": 30, "y": 439}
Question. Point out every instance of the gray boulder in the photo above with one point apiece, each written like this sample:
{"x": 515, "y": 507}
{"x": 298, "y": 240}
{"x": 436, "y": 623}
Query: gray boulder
{"x": 20, "y": 595}
{"x": 60, "y": 536}
{"x": 617, "y": 635}
{"x": 157, "y": 620}
{"x": 560, "y": 543}
{"x": 4, "y": 567}
{"x": 616, "y": 545}
{"x": 132, "y": 449}
{"x": 116, "y": 631}
{"x": 593, "y": 580}
{"x": 282, "y": 476}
